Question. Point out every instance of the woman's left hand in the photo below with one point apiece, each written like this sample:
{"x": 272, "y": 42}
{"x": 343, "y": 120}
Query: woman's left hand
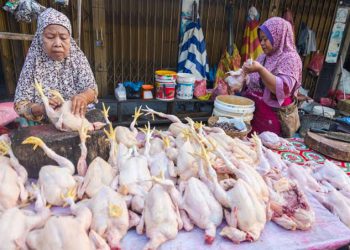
{"x": 251, "y": 68}
{"x": 79, "y": 105}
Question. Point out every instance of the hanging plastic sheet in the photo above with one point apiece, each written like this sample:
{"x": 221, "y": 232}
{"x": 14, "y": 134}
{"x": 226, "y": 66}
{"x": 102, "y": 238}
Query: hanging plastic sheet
{"x": 24, "y": 10}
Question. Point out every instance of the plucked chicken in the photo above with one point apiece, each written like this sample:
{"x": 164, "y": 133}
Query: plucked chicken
{"x": 160, "y": 218}
{"x": 99, "y": 172}
{"x": 13, "y": 176}
{"x": 53, "y": 181}
{"x": 110, "y": 216}
{"x": 200, "y": 205}
{"x": 67, "y": 232}
{"x": 289, "y": 205}
{"x": 15, "y": 224}
{"x": 273, "y": 141}
{"x": 62, "y": 117}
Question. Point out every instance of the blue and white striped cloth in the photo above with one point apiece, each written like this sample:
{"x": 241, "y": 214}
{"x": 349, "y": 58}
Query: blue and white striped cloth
{"x": 192, "y": 52}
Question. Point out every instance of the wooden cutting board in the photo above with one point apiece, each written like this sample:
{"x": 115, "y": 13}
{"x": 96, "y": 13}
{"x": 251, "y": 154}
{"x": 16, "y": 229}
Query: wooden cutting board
{"x": 332, "y": 148}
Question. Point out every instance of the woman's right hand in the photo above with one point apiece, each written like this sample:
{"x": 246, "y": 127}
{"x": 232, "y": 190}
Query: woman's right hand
{"x": 55, "y": 102}
{"x": 37, "y": 109}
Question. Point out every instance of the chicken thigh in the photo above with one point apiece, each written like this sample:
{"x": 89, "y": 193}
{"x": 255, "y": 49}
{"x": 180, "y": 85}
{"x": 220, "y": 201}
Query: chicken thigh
{"x": 13, "y": 176}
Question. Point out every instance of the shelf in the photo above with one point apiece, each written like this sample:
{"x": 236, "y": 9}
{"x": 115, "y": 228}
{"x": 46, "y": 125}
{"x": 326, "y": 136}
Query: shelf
{"x": 109, "y": 100}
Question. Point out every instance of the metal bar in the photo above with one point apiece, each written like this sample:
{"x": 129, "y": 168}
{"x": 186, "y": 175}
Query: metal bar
{"x": 79, "y": 21}
{"x": 154, "y": 35}
{"x": 130, "y": 40}
{"x": 114, "y": 43}
{"x": 207, "y": 26}
{"x": 162, "y": 35}
{"x": 223, "y": 22}
{"x": 138, "y": 40}
{"x": 122, "y": 38}
{"x": 16, "y": 36}
{"x": 171, "y": 32}
{"x": 213, "y": 40}
{"x": 146, "y": 46}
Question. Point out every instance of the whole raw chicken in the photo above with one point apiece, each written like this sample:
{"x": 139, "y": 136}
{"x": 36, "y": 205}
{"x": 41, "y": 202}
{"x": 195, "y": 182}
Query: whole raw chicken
{"x": 334, "y": 175}
{"x": 128, "y": 136}
{"x": 110, "y": 216}
{"x": 13, "y": 176}
{"x": 134, "y": 177}
{"x": 53, "y": 181}
{"x": 62, "y": 117}
{"x": 200, "y": 205}
{"x": 15, "y": 224}
{"x": 273, "y": 141}
{"x": 67, "y": 232}
{"x": 158, "y": 162}
{"x": 336, "y": 202}
{"x": 99, "y": 172}
{"x": 289, "y": 204}
{"x": 160, "y": 217}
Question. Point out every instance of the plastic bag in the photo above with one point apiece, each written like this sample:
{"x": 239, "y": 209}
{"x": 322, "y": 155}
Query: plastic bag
{"x": 316, "y": 64}
{"x": 7, "y": 113}
{"x": 133, "y": 89}
{"x": 220, "y": 89}
{"x": 64, "y": 2}
{"x": 200, "y": 88}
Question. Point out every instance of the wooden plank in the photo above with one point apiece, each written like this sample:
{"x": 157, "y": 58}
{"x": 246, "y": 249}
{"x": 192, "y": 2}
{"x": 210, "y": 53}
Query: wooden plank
{"x": 274, "y": 7}
{"x": 16, "y": 36}
{"x": 100, "y": 51}
{"x": 6, "y": 57}
{"x": 335, "y": 149}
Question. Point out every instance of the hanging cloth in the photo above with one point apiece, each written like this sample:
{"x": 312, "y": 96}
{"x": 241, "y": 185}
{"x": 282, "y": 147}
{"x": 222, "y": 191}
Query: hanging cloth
{"x": 251, "y": 45}
{"x": 192, "y": 52}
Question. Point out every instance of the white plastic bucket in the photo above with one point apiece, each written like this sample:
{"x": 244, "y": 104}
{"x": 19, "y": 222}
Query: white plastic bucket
{"x": 185, "y": 86}
{"x": 246, "y": 118}
{"x": 234, "y": 104}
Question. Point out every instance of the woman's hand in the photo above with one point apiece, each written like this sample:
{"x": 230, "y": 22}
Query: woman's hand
{"x": 37, "y": 109}
{"x": 79, "y": 104}
{"x": 55, "y": 102}
{"x": 251, "y": 68}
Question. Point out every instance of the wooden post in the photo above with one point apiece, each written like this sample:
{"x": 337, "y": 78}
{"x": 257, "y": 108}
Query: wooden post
{"x": 79, "y": 22}
{"x": 7, "y": 63}
{"x": 100, "y": 48}
{"x": 273, "y": 9}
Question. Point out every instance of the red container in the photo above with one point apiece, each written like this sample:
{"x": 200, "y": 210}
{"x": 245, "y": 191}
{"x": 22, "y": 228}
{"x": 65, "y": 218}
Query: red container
{"x": 165, "y": 90}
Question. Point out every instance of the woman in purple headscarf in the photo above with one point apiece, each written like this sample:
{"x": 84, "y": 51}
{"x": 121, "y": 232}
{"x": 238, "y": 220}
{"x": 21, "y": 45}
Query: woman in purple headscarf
{"x": 275, "y": 77}
{"x": 55, "y": 60}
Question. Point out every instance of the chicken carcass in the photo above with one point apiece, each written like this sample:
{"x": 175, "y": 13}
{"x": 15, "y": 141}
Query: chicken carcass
{"x": 273, "y": 141}
{"x": 334, "y": 175}
{"x": 303, "y": 176}
{"x": 289, "y": 205}
{"x": 160, "y": 217}
{"x": 99, "y": 172}
{"x": 134, "y": 177}
{"x": 128, "y": 136}
{"x": 67, "y": 232}
{"x": 247, "y": 218}
{"x": 53, "y": 181}
{"x": 15, "y": 224}
{"x": 336, "y": 202}
{"x": 62, "y": 117}
{"x": 263, "y": 166}
{"x": 201, "y": 207}
{"x": 158, "y": 162}
{"x": 13, "y": 176}
{"x": 110, "y": 216}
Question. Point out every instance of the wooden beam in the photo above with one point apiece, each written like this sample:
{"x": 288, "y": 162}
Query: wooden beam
{"x": 6, "y": 57}
{"x": 16, "y": 36}
{"x": 273, "y": 9}
{"x": 100, "y": 48}
{"x": 79, "y": 21}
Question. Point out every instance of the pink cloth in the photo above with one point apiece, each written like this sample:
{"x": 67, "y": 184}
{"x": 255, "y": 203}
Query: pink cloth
{"x": 284, "y": 62}
{"x": 7, "y": 113}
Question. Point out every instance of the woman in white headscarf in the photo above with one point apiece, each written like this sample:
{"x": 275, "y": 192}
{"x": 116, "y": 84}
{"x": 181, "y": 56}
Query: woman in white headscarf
{"x": 55, "y": 60}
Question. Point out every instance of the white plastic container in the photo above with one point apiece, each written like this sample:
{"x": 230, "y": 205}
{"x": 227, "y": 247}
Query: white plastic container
{"x": 323, "y": 111}
{"x": 185, "y": 86}
{"x": 120, "y": 92}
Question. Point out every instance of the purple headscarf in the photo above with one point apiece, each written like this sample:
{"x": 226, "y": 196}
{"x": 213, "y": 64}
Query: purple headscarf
{"x": 284, "y": 59}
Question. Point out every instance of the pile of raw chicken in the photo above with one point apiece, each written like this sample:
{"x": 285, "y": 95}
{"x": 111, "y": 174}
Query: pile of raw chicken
{"x": 161, "y": 182}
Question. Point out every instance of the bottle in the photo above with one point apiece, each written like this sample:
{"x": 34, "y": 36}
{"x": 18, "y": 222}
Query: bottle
{"x": 120, "y": 92}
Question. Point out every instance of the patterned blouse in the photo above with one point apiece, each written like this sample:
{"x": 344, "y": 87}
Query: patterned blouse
{"x": 70, "y": 77}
